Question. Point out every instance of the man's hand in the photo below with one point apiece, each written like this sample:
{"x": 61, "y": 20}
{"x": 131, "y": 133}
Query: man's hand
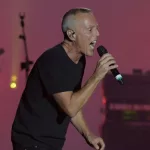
{"x": 104, "y": 65}
{"x": 95, "y": 142}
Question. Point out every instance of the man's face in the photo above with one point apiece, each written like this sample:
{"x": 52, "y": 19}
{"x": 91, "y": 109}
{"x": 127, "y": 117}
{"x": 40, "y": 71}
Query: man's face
{"x": 86, "y": 33}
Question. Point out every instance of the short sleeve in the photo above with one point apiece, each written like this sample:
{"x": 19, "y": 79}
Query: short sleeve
{"x": 55, "y": 76}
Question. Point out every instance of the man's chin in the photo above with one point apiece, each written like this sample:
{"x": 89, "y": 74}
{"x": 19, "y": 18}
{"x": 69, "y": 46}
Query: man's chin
{"x": 90, "y": 53}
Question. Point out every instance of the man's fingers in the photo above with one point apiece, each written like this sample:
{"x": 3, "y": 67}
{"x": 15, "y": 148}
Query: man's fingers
{"x": 102, "y": 144}
{"x": 112, "y": 67}
{"x": 99, "y": 144}
{"x": 96, "y": 146}
{"x": 105, "y": 56}
{"x": 107, "y": 60}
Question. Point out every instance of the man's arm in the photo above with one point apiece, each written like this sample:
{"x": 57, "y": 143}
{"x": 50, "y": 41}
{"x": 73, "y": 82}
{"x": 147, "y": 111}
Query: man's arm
{"x": 79, "y": 123}
{"x": 71, "y": 103}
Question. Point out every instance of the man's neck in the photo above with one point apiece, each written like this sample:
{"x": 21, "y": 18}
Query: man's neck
{"x": 71, "y": 51}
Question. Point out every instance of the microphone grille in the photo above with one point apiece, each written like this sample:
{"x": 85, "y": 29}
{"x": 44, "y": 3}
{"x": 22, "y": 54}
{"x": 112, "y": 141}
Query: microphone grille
{"x": 101, "y": 50}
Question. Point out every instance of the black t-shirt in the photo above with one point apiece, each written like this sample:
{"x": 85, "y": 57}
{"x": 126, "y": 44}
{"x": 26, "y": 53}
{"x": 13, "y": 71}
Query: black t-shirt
{"x": 39, "y": 120}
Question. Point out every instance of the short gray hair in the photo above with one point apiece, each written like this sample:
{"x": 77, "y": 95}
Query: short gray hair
{"x": 68, "y": 17}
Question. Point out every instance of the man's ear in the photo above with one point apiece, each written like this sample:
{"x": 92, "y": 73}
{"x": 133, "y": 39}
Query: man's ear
{"x": 71, "y": 35}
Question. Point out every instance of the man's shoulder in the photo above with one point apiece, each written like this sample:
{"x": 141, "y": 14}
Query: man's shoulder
{"x": 50, "y": 54}
{"x": 51, "y": 51}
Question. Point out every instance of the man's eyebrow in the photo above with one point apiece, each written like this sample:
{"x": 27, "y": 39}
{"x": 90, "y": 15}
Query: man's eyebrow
{"x": 91, "y": 26}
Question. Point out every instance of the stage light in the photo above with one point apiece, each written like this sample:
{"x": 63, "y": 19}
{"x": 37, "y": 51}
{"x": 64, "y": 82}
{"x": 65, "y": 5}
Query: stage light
{"x": 14, "y": 78}
{"x": 13, "y": 84}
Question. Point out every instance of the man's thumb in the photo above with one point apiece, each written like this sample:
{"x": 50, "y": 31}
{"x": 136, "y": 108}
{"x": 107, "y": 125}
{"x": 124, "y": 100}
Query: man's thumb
{"x": 96, "y": 146}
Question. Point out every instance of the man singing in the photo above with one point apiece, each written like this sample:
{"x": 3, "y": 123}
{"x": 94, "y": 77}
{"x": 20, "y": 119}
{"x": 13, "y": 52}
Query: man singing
{"x": 53, "y": 96}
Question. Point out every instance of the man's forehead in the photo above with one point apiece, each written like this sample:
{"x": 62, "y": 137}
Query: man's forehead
{"x": 86, "y": 19}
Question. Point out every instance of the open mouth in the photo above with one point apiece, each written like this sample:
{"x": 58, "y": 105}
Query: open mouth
{"x": 92, "y": 44}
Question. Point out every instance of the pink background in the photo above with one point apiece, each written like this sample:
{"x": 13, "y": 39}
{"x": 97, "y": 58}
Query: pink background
{"x": 124, "y": 31}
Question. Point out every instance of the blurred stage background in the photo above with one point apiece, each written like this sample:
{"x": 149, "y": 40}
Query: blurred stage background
{"x": 124, "y": 31}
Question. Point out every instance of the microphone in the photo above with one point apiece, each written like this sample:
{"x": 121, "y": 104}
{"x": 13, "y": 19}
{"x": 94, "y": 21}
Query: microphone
{"x": 101, "y": 51}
